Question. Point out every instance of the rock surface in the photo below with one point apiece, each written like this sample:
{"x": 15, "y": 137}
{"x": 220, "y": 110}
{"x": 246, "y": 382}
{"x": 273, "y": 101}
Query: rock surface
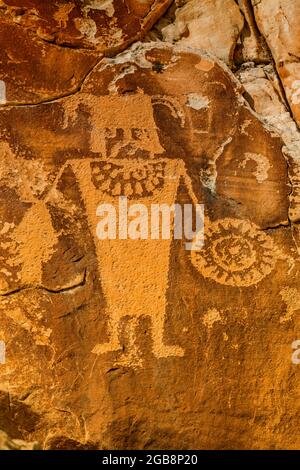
{"x": 251, "y": 45}
{"x": 47, "y": 58}
{"x": 15, "y": 444}
{"x": 144, "y": 344}
{"x": 227, "y": 29}
{"x": 197, "y": 24}
{"x": 105, "y": 25}
{"x": 278, "y": 21}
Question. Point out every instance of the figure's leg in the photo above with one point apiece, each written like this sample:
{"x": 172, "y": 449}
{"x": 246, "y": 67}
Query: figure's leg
{"x": 163, "y": 247}
{"x": 114, "y": 343}
{"x": 131, "y": 356}
{"x": 160, "y": 349}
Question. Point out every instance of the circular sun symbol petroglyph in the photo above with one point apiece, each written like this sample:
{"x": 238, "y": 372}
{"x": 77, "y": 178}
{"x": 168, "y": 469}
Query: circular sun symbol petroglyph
{"x": 235, "y": 253}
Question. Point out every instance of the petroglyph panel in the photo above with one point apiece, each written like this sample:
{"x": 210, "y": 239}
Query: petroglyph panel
{"x": 101, "y": 332}
{"x": 107, "y": 25}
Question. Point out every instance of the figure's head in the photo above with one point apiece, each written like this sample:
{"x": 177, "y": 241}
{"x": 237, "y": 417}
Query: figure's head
{"x": 125, "y": 125}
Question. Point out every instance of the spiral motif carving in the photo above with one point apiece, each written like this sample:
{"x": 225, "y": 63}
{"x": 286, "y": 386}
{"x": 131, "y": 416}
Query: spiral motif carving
{"x": 235, "y": 253}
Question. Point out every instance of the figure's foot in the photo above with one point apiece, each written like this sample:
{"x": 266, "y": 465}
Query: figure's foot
{"x": 129, "y": 360}
{"x": 161, "y": 350}
{"x": 106, "y": 347}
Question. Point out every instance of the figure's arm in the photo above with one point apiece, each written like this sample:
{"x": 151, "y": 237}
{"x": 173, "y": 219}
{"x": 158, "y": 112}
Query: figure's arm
{"x": 189, "y": 184}
{"x": 196, "y": 237}
{"x": 57, "y": 178}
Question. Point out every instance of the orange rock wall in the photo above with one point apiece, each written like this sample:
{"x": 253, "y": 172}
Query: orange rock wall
{"x": 142, "y": 343}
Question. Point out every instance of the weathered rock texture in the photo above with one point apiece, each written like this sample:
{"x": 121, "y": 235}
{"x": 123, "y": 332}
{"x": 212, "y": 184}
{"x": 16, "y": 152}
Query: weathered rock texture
{"x": 195, "y": 23}
{"x": 278, "y": 21}
{"x": 143, "y": 344}
{"x": 15, "y": 444}
{"x": 42, "y": 44}
{"x": 105, "y": 25}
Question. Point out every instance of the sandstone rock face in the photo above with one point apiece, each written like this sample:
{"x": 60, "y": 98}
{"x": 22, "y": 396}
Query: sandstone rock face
{"x": 263, "y": 89}
{"x": 251, "y": 45}
{"x": 15, "y": 444}
{"x": 107, "y": 25}
{"x": 196, "y": 23}
{"x": 47, "y": 59}
{"x": 35, "y": 71}
{"x": 141, "y": 342}
{"x": 278, "y": 21}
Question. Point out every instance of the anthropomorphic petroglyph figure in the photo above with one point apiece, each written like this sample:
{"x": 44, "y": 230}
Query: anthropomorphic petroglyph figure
{"x": 134, "y": 274}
